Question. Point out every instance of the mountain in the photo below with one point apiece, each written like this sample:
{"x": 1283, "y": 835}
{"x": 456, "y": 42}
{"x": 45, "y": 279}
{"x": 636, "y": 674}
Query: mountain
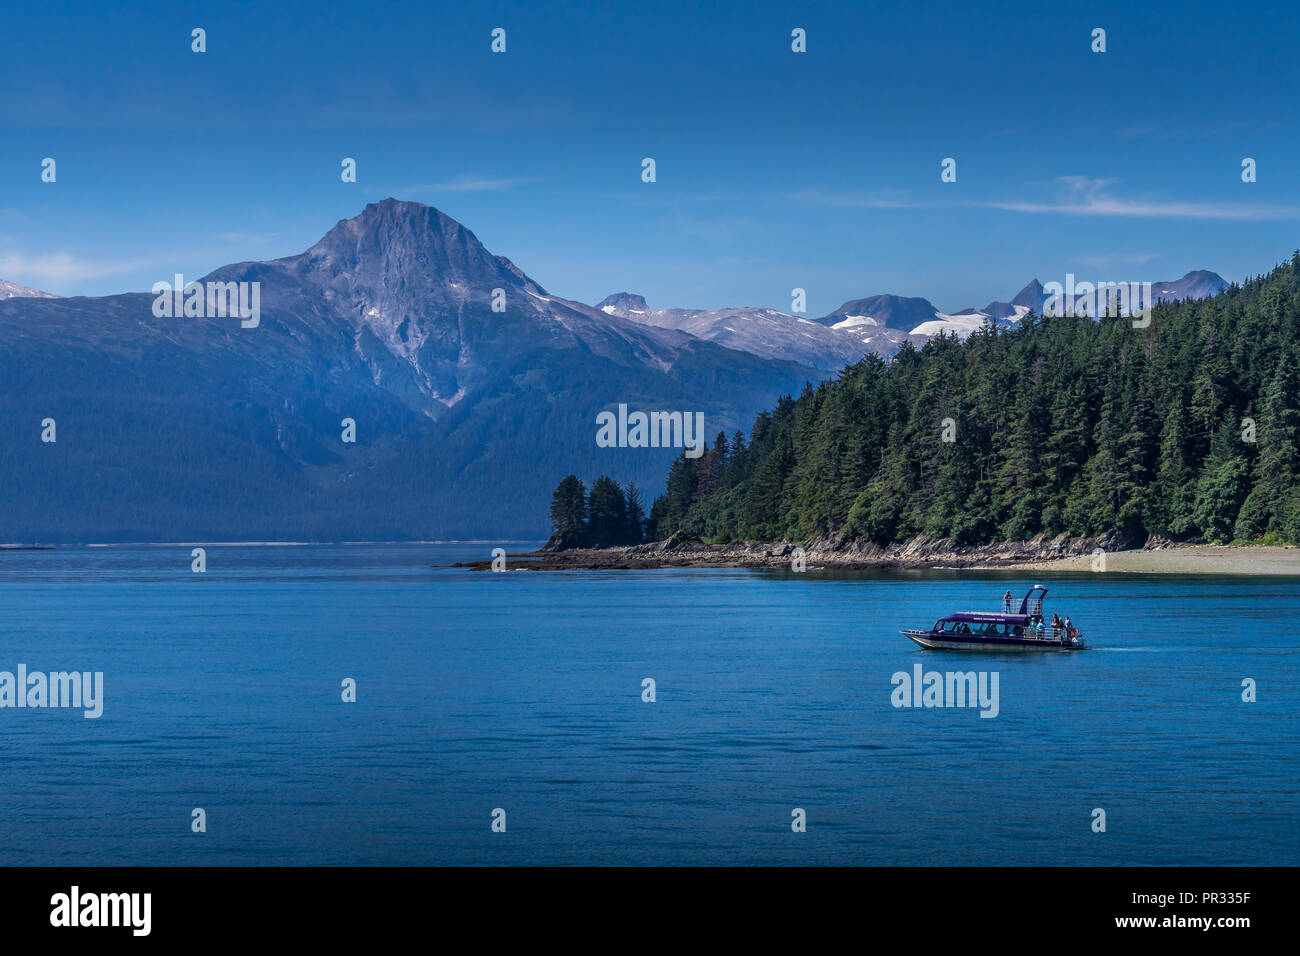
{"x": 963, "y": 323}
{"x": 876, "y": 324}
{"x": 764, "y": 332}
{"x": 1199, "y": 284}
{"x": 1031, "y": 297}
{"x": 886, "y": 311}
{"x": 912, "y": 318}
{"x": 625, "y": 302}
{"x": 11, "y": 290}
{"x": 1195, "y": 285}
{"x": 198, "y": 429}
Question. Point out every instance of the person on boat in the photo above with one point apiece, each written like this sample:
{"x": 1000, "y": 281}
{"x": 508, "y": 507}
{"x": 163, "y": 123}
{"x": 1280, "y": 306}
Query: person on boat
{"x": 1006, "y": 602}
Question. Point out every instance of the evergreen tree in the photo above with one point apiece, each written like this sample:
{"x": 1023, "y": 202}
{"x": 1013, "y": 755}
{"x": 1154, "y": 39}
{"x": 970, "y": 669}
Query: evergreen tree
{"x": 1270, "y": 506}
{"x": 1223, "y": 484}
{"x": 636, "y": 518}
{"x": 1170, "y": 508}
{"x": 606, "y": 513}
{"x": 709, "y": 473}
{"x": 569, "y": 513}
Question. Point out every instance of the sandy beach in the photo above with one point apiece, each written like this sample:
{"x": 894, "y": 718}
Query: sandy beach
{"x": 1060, "y": 554}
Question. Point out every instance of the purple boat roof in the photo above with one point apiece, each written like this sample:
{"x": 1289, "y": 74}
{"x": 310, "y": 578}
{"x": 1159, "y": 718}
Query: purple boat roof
{"x": 980, "y": 617}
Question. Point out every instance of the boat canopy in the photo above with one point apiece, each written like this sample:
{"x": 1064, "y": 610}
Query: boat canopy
{"x": 1031, "y": 609}
{"x": 980, "y": 617}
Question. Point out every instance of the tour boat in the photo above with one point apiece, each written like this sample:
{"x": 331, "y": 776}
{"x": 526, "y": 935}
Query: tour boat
{"x": 979, "y": 630}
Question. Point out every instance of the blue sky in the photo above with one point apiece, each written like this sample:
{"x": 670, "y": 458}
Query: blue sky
{"x": 819, "y": 170}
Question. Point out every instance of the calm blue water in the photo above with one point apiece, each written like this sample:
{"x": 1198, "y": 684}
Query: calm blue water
{"x": 523, "y": 691}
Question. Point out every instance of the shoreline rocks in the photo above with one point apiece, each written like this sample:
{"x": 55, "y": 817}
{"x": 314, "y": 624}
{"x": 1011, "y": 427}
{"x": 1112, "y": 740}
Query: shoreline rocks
{"x": 831, "y": 553}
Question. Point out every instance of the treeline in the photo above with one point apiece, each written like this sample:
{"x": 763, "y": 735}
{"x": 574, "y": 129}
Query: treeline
{"x": 609, "y": 515}
{"x": 1186, "y": 428}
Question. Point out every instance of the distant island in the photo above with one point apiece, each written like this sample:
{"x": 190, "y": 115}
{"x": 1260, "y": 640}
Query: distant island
{"x": 1055, "y": 438}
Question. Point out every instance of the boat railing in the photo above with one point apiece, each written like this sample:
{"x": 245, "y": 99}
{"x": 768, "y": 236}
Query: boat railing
{"x": 1049, "y": 633}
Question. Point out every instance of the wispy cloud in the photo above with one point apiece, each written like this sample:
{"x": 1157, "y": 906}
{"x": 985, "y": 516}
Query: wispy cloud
{"x": 1074, "y": 196}
{"x": 469, "y": 184}
{"x": 60, "y": 268}
{"x": 1154, "y": 210}
{"x": 1086, "y": 196}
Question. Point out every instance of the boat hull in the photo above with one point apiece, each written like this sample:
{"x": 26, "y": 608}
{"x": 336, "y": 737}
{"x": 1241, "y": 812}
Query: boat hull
{"x": 962, "y": 642}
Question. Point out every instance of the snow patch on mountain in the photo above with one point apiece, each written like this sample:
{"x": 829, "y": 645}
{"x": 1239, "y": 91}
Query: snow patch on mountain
{"x": 767, "y": 333}
{"x": 12, "y": 290}
{"x": 854, "y": 321}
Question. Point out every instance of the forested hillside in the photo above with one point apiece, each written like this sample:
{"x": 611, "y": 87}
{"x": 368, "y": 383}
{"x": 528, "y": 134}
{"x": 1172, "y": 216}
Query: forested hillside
{"x": 1186, "y": 428}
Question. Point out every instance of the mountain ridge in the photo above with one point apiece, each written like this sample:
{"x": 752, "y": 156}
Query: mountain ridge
{"x": 877, "y": 324}
{"x": 198, "y": 428}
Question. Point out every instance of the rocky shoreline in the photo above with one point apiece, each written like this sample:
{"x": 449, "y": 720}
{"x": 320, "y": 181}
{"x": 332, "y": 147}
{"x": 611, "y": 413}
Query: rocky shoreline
{"x": 921, "y": 552}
